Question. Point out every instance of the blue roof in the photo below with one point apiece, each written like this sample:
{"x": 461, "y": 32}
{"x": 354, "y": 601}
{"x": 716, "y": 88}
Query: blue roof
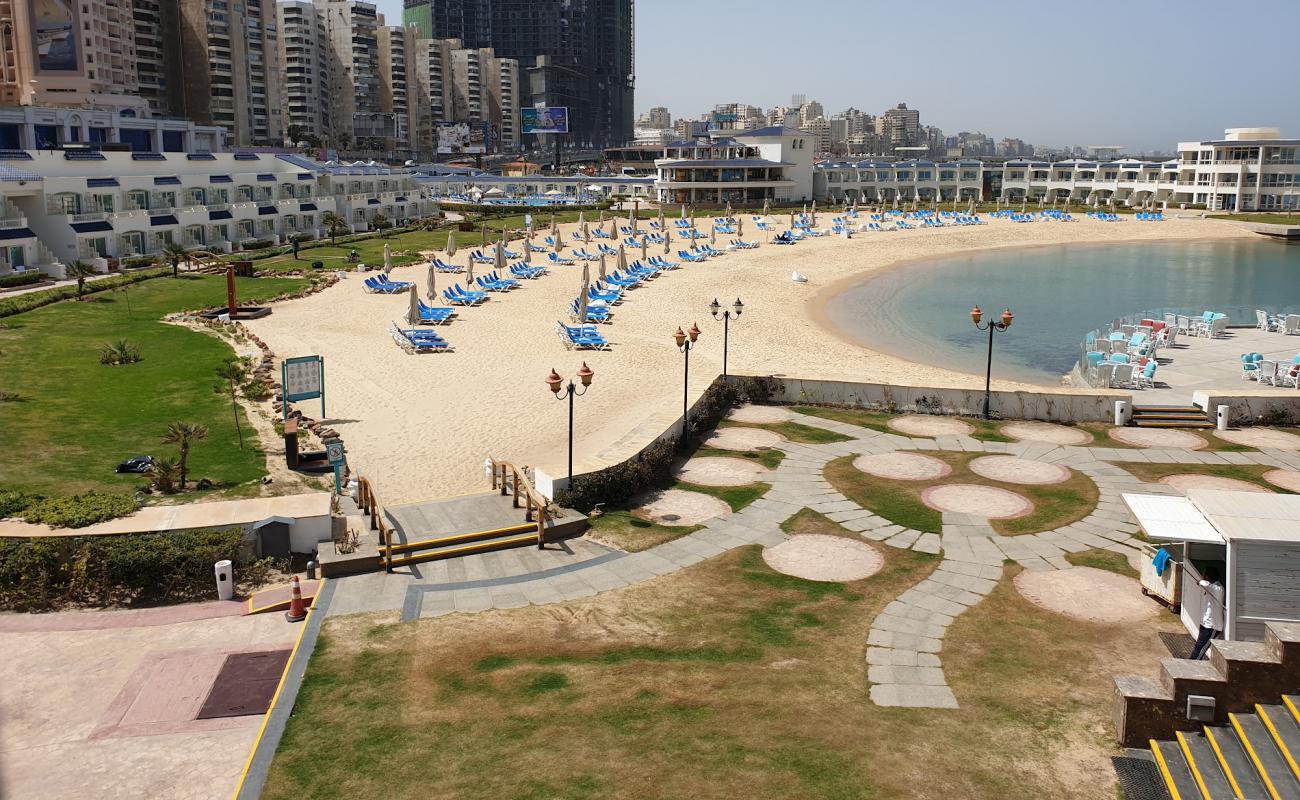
{"x": 775, "y": 130}
{"x": 723, "y": 162}
{"x": 305, "y": 176}
{"x": 163, "y": 219}
{"x": 16, "y": 233}
{"x": 95, "y": 183}
{"x": 399, "y": 199}
{"x": 11, "y": 173}
{"x": 15, "y": 155}
{"x": 372, "y": 201}
{"x": 91, "y": 227}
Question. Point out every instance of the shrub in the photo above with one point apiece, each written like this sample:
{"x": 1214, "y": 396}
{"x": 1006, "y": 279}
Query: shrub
{"x": 79, "y": 510}
{"x": 13, "y": 502}
{"x": 33, "y": 300}
{"x": 45, "y": 573}
{"x": 164, "y": 475}
{"x": 255, "y": 244}
{"x": 119, "y": 352}
{"x": 21, "y": 279}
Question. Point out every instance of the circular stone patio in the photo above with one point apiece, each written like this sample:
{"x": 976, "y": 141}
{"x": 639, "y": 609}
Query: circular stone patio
{"x": 818, "y": 557}
{"x": 679, "y": 507}
{"x": 1158, "y": 437}
{"x": 902, "y": 466}
{"x": 981, "y": 501}
{"x": 1048, "y": 432}
{"x": 1010, "y": 469}
{"x": 760, "y": 414}
{"x": 1191, "y": 480}
{"x": 928, "y": 426}
{"x": 1085, "y": 593}
{"x": 744, "y": 439}
{"x": 1288, "y": 479}
{"x": 1261, "y": 438}
{"x": 721, "y": 471}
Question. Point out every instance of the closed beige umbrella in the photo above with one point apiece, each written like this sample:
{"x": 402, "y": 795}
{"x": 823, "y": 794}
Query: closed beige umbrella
{"x": 602, "y": 266}
{"x": 451, "y": 246}
{"x": 499, "y": 258}
{"x": 713, "y": 234}
{"x": 413, "y": 313}
{"x": 431, "y": 284}
{"x": 683, "y": 211}
{"x": 483, "y": 236}
{"x": 767, "y": 206}
{"x": 667, "y": 241}
{"x": 661, "y": 217}
{"x": 388, "y": 257}
{"x": 740, "y": 226}
{"x": 586, "y": 234}
{"x": 622, "y": 259}
{"x": 469, "y": 274}
{"x": 643, "y": 247}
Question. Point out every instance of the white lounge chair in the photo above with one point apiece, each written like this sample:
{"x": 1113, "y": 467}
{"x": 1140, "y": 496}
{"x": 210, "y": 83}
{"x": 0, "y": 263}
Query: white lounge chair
{"x": 1291, "y": 325}
{"x": 1121, "y": 377}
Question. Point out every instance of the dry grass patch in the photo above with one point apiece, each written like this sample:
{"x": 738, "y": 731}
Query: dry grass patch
{"x": 726, "y": 680}
{"x": 795, "y": 432}
{"x": 1250, "y": 473}
{"x": 769, "y": 458}
{"x": 985, "y": 430}
{"x": 1055, "y": 504}
{"x": 627, "y": 531}
{"x": 1108, "y": 560}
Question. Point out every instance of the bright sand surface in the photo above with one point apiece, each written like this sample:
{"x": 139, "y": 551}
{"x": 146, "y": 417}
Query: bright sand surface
{"x": 420, "y": 426}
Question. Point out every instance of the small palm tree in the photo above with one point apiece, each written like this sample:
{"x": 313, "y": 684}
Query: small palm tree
{"x": 175, "y": 253}
{"x": 233, "y": 373}
{"x": 80, "y": 270}
{"x": 162, "y": 474}
{"x": 183, "y": 435}
{"x": 333, "y": 223}
{"x": 381, "y": 223}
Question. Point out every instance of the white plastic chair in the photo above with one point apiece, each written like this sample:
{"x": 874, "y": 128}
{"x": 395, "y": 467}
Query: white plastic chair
{"x": 1291, "y": 326}
{"x": 1121, "y": 376}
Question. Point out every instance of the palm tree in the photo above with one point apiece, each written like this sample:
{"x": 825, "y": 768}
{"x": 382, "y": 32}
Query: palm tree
{"x": 333, "y": 223}
{"x": 176, "y": 254}
{"x": 184, "y": 434}
{"x": 80, "y": 270}
{"x": 381, "y": 223}
{"x": 233, "y": 373}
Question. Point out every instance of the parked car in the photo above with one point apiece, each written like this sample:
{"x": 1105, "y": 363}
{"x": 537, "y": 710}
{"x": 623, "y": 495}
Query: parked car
{"x": 137, "y": 465}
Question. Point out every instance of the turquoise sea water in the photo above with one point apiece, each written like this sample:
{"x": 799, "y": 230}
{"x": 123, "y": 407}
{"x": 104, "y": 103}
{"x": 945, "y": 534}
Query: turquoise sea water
{"x": 921, "y": 312}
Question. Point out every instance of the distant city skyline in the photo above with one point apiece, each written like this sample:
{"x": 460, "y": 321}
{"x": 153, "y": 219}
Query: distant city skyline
{"x": 1104, "y": 78}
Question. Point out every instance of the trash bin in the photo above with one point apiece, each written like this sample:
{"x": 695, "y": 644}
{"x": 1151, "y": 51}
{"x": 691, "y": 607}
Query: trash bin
{"x": 1222, "y": 414}
{"x": 225, "y": 573}
{"x": 1121, "y": 413}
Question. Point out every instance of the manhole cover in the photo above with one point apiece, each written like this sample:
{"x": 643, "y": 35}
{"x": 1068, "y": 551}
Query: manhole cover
{"x": 670, "y": 517}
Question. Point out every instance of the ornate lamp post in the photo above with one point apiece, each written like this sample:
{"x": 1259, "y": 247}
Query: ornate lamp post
{"x": 684, "y": 342}
{"x": 554, "y": 381}
{"x": 726, "y": 317}
{"x": 992, "y": 325}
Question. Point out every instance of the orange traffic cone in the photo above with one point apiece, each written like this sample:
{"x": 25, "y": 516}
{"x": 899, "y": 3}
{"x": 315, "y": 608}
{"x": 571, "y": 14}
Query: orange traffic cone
{"x": 297, "y": 611}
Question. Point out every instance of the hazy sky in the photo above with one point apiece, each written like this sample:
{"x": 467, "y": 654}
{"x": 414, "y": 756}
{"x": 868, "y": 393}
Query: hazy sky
{"x": 1139, "y": 73}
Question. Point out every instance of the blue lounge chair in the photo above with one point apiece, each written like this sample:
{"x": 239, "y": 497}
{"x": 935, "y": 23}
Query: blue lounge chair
{"x": 659, "y": 262}
{"x": 594, "y": 313}
{"x": 418, "y": 340}
{"x": 685, "y": 255}
{"x": 439, "y": 315}
{"x": 607, "y": 296}
{"x": 606, "y": 249}
{"x": 443, "y": 266}
{"x": 740, "y": 244}
{"x": 581, "y": 337}
{"x": 478, "y": 257}
{"x": 622, "y": 281}
{"x": 461, "y": 297}
{"x": 556, "y": 258}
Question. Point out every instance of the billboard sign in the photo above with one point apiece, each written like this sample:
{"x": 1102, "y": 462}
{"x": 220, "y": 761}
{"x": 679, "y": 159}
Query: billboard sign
{"x": 546, "y": 119}
{"x": 54, "y": 34}
{"x": 461, "y": 138}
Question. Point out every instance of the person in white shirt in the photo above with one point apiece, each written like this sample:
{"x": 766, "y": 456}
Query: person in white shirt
{"x": 1211, "y": 611}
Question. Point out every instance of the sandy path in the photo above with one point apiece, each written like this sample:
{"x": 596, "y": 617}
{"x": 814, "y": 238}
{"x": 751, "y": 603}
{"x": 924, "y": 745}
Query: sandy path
{"x": 421, "y": 425}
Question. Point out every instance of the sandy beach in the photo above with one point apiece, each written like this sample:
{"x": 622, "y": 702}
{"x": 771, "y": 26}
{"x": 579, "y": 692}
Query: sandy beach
{"x": 420, "y": 426}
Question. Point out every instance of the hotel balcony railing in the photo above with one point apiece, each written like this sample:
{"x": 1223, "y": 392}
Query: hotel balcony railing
{"x": 90, "y": 216}
{"x": 13, "y": 222}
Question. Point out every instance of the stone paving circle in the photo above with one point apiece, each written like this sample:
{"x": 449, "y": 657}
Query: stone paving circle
{"x": 680, "y": 507}
{"x": 983, "y": 501}
{"x": 760, "y": 414}
{"x": 1288, "y": 479}
{"x": 926, "y": 425}
{"x": 1261, "y": 438}
{"x": 818, "y": 557}
{"x": 902, "y": 466}
{"x": 1010, "y": 469}
{"x": 1085, "y": 593}
{"x": 1048, "y": 432}
{"x": 1191, "y": 480}
{"x": 1158, "y": 437}
{"x": 721, "y": 471}
{"x": 744, "y": 439}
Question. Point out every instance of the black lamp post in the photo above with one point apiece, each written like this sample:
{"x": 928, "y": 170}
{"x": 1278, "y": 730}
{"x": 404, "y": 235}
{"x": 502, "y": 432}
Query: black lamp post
{"x": 554, "y": 381}
{"x": 684, "y": 342}
{"x": 992, "y": 325}
{"x": 726, "y": 317}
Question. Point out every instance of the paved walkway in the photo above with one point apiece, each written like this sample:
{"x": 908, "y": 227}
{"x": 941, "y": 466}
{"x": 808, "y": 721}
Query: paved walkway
{"x": 905, "y": 641}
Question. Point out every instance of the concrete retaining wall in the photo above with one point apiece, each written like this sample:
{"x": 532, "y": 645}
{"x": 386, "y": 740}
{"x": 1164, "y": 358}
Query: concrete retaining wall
{"x": 1252, "y": 409}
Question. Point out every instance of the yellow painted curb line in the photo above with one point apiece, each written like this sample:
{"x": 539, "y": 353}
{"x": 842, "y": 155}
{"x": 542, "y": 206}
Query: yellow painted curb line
{"x": 275, "y": 698}
{"x": 1164, "y": 771}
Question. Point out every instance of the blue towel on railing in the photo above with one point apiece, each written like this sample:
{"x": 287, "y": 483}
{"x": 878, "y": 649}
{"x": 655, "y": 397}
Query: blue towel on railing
{"x": 1161, "y": 561}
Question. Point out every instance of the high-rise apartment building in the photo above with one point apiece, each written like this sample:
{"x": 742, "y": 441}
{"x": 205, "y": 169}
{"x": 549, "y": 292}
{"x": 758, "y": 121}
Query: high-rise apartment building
{"x": 575, "y": 53}
{"x": 74, "y": 54}
{"x": 231, "y": 69}
{"x": 900, "y": 126}
{"x": 353, "y": 95}
{"x": 484, "y": 90}
{"x": 657, "y": 118}
{"x": 305, "y": 70}
{"x": 396, "y": 86}
{"x": 810, "y": 111}
{"x": 157, "y": 51}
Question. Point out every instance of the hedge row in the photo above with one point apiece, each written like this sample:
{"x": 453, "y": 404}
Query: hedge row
{"x": 46, "y": 573}
{"x": 15, "y": 279}
{"x": 34, "y": 300}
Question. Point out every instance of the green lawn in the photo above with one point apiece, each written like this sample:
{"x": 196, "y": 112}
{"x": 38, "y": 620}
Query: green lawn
{"x": 627, "y": 531}
{"x": 770, "y": 459}
{"x": 735, "y": 496}
{"x": 1249, "y": 473}
{"x": 75, "y": 419}
{"x": 795, "y": 432}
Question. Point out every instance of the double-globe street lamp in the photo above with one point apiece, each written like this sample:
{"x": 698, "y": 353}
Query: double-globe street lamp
{"x": 726, "y": 317}
{"x": 555, "y": 381}
{"x": 685, "y": 339}
{"x": 992, "y": 325}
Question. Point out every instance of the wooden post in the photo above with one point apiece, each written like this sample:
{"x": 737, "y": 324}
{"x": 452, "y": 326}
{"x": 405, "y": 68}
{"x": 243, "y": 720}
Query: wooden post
{"x": 515, "y": 500}
{"x": 231, "y": 304}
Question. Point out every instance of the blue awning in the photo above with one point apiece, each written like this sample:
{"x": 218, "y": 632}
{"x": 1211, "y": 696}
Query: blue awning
{"x": 167, "y": 181}
{"x": 221, "y": 179}
{"x": 264, "y": 210}
{"x": 399, "y": 199}
{"x": 200, "y": 157}
{"x": 164, "y": 219}
{"x": 305, "y": 176}
{"x": 306, "y": 206}
{"x": 16, "y": 233}
{"x": 372, "y": 201}
{"x": 92, "y": 183}
{"x": 245, "y": 156}
{"x": 91, "y": 227}
{"x": 216, "y": 215}
{"x": 266, "y": 176}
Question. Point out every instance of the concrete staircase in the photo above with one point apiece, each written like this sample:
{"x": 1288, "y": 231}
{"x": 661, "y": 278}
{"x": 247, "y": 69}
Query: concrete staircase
{"x": 1170, "y": 417}
{"x": 1254, "y": 756}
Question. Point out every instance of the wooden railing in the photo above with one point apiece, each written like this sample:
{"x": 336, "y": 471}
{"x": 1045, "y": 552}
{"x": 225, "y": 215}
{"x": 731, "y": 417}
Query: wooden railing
{"x": 510, "y": 479}
{"x": 369, "y": 504}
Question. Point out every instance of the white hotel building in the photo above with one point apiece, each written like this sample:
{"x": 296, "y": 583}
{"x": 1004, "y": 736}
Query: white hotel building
{"x": 63, "y": 205}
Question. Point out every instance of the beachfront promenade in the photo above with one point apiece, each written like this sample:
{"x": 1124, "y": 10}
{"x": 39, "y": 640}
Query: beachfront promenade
{"x": 1214, "y": 365}
{"x": 420, "y": 427}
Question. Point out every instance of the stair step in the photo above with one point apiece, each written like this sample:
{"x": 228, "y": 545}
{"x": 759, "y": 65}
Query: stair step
{"x": 466, "y": 550}
{"x": 1234, "y": 762}
{"x": 1173, "y": 767}
{"x": 1280, "y": 782}
{"x": 1152, "y": 423}
{"x": 460, "y": 538}
{"x": 1204, "y": 765}
{"x": 1168, "y": 415}
{"x": 1285, "y": 732}
{"x": 1168, "y": 410}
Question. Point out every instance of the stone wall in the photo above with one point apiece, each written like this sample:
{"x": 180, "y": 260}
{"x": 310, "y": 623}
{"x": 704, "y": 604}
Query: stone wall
{"x": 1249, "y": 408}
